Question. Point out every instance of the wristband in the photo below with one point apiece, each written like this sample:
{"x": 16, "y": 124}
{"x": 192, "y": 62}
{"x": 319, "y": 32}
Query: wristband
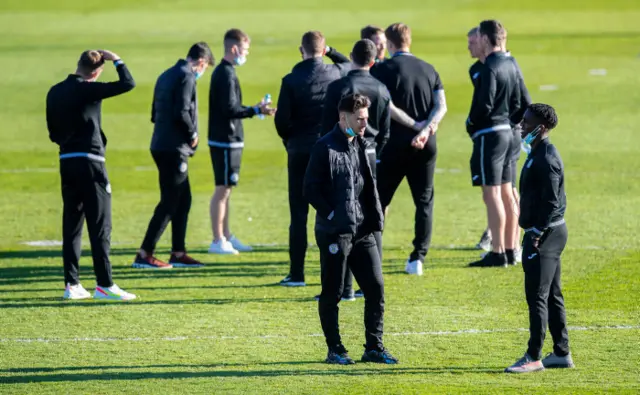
{"x": 256, "y": 109}
{"x": 118, "y": 62}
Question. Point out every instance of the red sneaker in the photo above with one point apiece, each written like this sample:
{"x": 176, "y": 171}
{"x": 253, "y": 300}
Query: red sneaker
{"x": 184, "y": 261}
{"x": 150, "y": 262}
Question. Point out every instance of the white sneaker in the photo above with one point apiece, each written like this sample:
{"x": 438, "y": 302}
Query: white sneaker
{"x": 222, "y": 246}
{"x": 414, "y": 267}
{"x": 112, "y": 293}
{"x": 75, "y": 292}
{"x": 518, "y": 254}
{"x": 238, "y": 245}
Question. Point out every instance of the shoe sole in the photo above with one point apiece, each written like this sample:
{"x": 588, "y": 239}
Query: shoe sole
{"x": 522, "y": 371}
{"x": 293, "y": 284}
{"x": 381, "y": 362}
{"x": 571, "y": 366}
{"x": 174, "y": 264}
{"x": 330, "y": 362}
{"x": 147, "y": 266}
{"x": 113, "y": 298}
{"x": 224, "y": 252}
{"x": 77, "y": 298}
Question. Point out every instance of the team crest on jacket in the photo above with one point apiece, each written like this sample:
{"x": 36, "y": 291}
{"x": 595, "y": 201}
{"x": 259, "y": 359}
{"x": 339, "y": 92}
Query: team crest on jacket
{"x": 183, "y": 167}
{"x": 108, "y": 188}
{"x": 333, "y": 248}
{"x": 234, "y": 177}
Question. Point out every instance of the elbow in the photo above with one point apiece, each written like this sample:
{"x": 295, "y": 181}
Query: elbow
{"x": 129, "y": 85}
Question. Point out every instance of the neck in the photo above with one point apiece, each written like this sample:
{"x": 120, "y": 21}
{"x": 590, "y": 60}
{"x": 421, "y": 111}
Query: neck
{"x": 229, "y": 57}
{"x": 403, "y": 49}
{"x": 491, "y": 50}
{"x": 81, "y": 74}
{"x": 316, "y": 56}
{"x": 537, "y": 141}
{"x": 482, "y": 58}
{"x": 358, "y": 67}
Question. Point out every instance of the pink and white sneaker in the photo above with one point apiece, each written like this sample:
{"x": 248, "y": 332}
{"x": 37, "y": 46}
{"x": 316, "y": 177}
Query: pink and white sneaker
{"x": 526, "y": 364}
{"x": 112, "y": 293}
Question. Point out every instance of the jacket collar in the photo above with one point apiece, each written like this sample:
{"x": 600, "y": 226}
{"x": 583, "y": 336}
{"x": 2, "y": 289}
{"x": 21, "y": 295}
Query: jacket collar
{"x": 541, "y": 146}
{"x": 359, "y": 72}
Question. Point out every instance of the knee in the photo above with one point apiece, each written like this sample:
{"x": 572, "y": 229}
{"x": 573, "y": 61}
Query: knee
{"x": 491, "y": 194}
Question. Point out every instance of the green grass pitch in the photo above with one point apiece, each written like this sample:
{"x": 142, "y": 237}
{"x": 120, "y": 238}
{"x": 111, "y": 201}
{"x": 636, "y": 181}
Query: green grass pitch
{"x": 226, "y": 328}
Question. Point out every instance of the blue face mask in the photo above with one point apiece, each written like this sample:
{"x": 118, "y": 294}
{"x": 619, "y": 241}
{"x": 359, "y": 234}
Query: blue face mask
{"x": 529, "y": 138}
{"x": 199, "y": 74}
{"x": 240, "y": 60}
{"x": 349, "y": 131}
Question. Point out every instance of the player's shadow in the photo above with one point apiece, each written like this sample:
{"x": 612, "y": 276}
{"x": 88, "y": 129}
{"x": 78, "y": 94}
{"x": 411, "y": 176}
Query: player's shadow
{"x": 124, "y": 373}
{"x": 59, "y": 303}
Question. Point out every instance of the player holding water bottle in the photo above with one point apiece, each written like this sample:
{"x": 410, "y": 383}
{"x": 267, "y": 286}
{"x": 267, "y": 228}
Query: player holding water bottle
{"x": 226, "y": 137}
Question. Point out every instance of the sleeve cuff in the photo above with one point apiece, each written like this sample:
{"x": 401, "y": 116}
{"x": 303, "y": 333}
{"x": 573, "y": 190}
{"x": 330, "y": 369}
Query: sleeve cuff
{"x": 535, "y": 231}
{"x": 118, "y": 62}
{"x": 256, "y": 110}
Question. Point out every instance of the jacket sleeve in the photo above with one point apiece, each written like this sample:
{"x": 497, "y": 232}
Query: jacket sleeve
{"x": 225, "y": 89}
{"x": 330, "y": 109}
{"x": 483, "y": 99}
{"x": 385, "y": 126}
{"x": 336, "y": 57}
{"x": 95, "y": 91}
{"x": 525, "y": 98}
{"x": 182, "y": 106}
{"x": 283, "y": 115}
{"x": 316, "y": 179}
{"x": 51, "y": 120}
{"x": 550, "y": 176}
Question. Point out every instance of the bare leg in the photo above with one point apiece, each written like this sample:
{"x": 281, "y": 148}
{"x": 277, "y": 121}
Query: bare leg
{"x": 511, "y": 217}
{"x": 516, "y": 206}
{"x": 227, "y": 231}
{"x": 218, "y": 209}
{"x": 496, "y": 216}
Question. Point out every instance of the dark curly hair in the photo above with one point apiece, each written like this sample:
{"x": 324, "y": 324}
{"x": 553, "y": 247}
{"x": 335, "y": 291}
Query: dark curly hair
{"x": 545, "y": 113}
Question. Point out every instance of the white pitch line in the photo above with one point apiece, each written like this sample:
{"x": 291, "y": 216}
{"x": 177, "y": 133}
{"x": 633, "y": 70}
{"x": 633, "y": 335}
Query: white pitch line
{"x": 222, "y": 337}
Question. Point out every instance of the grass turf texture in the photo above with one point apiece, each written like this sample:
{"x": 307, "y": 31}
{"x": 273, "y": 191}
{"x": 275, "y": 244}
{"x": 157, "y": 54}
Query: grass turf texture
{"x": 225, "y": 328}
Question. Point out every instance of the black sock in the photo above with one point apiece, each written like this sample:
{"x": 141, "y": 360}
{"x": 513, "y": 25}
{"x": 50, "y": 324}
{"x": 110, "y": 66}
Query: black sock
{"x": 511, "y": 256}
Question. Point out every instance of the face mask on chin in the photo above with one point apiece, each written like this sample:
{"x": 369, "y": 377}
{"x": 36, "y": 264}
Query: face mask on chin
{"x": 240, "y": 60}
{"x": 529, "y": 138}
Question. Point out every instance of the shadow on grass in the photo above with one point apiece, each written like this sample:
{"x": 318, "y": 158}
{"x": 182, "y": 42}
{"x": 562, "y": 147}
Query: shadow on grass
{"x": 198, "y": 372}
{"x": 58, "y": 302}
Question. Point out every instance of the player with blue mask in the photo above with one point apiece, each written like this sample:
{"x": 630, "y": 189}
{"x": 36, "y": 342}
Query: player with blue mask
{"x": 175, "y": 139}
{"x": 226, "y": 137}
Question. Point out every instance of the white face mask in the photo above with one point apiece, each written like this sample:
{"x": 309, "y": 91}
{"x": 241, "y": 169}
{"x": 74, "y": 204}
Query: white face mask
{"x": 240, "y": 60}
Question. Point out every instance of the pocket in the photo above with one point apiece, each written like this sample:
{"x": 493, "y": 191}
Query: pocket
{"x": 99, "y": 175}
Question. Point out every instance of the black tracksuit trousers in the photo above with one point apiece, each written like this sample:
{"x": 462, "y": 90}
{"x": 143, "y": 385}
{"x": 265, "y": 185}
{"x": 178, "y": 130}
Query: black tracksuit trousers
{"x": 86, "y": 193}
{"x": 543, "y": 291}
{"x": 175, "y": 202}
{"x": 360, "y": 254}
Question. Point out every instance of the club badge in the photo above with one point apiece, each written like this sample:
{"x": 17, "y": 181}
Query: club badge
{"x": 333, "y": 248}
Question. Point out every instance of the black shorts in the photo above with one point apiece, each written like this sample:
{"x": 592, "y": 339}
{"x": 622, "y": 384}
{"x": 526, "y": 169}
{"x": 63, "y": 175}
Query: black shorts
{"x": 514, "y": 155}
{"x": 226, "y": 165}
{"x": 491, "y": 163}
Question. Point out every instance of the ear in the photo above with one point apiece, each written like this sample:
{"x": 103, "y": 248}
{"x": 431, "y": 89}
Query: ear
{"x": 372, "y": 63}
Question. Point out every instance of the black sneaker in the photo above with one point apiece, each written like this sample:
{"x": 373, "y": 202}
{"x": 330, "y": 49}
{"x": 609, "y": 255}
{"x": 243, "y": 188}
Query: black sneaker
{"x": 491, "y": 259}
{"x": 511, "y": 257}
{"x": 339, "y": 356}
{"x": 485, "y": 241}
{"x": 359, "y": 294}
{"x": 289, "y": 282}
{"x": 379, "y": 356}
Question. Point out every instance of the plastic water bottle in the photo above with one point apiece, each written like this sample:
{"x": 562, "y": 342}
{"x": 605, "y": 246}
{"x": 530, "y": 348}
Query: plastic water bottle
{"x": 266, "y": 100}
